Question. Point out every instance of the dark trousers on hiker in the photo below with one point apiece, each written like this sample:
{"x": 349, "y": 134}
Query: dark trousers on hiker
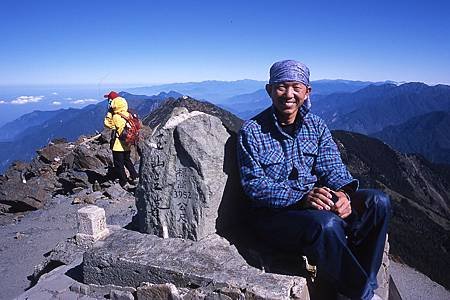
{"x": 347, "y": 253}
{"x": 121, "y": 161}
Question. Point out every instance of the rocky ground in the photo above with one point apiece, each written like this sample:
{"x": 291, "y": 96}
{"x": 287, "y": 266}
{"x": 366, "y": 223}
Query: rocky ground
{"x": 27, "y": 239}
{"x": 415, "y": 285}
{"x": 39, "y": 201}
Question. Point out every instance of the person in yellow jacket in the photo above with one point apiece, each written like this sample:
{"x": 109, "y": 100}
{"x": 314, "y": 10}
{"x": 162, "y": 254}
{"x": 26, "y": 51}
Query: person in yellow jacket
{"x": 121, "y": 151}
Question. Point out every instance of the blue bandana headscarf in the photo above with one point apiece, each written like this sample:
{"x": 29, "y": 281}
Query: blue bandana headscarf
{"x": 289, "y": 70}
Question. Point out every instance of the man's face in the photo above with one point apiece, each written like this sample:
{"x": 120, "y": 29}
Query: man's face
{"x": 288, "y": 97}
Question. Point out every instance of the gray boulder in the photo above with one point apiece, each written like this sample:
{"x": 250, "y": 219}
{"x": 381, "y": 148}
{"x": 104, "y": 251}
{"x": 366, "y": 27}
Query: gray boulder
{"x": 74, "y": 179}
{"x": 184, "y": 176}
{"x": 91, "y": 156}
{"x": 26, "y": 196}
{"x": 128, "y": 258}
{"x": 25, "y": 188}
{"x": 115, "y": 192}
{"x": 54, "y": 152}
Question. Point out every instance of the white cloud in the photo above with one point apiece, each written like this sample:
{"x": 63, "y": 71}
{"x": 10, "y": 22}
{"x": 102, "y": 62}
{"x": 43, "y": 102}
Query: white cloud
{"x": 2, "y": 102}
{"x": 56, "y": 103}
{"x": 27, "y": 99}
{"x": 69, "y": 98}
{"x": 55, "y": 93}
{"x": 84, "y": 101}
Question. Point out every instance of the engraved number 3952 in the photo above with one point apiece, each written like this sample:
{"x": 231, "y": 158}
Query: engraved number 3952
{"x": 182, "y": 194}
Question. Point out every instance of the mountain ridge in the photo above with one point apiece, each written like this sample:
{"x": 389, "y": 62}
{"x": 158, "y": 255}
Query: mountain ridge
{"x": 11, "y": 129}
{"x": 425, "y": 134}
{"x": 371, "y": 109}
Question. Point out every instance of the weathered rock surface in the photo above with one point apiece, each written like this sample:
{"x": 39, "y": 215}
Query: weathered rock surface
{"x": 24, "y": 187}
{"x": 128, "y": 258}
{"x": 184, "y": 176}
{"x": 54, "y": 152}
{"x": 148, "y": 291}
{"x": 384, "y": 274}
{"x": 91, "y": 155}
{"x": 115, "y": 191}
{"x": 62, "y": 168}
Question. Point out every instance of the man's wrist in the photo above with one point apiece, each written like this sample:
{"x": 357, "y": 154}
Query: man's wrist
{"x": 346, "y": 195}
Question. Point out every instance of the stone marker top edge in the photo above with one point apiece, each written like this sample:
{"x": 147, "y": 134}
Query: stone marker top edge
{"x": 90, "y": 209}
{"x": 175, "y": 120}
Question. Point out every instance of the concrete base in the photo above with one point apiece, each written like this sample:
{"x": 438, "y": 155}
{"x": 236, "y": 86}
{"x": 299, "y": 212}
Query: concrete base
{"x": 212, "y": 265}
{"x": 89, "y": 240}
{"x": 91, "y": 225}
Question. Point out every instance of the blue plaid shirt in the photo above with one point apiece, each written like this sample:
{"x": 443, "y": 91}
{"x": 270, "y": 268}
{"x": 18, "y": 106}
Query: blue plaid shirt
{"x": 278, "y": 169}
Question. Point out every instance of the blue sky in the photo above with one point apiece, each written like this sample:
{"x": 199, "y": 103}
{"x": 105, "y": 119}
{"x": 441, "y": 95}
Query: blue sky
{"x": 146, "y": 42}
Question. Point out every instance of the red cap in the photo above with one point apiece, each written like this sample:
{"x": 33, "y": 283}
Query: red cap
{"x": 111, "y": 95}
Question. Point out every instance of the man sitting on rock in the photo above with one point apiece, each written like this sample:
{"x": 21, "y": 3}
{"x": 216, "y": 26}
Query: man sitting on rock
{"x": 303, "y": 198}
{"x": 117, "y": 108}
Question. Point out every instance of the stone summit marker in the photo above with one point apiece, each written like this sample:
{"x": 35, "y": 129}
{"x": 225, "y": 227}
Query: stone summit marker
{"x": 182, "y": 177}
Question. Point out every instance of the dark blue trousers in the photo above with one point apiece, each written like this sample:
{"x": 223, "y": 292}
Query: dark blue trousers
{"x": 347, "y": 252}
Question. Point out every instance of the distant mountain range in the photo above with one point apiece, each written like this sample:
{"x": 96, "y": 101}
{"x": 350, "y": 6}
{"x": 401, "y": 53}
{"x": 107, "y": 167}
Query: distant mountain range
{"x": 22, "y": 137}
{"x": 211, "y": 90}
{"x": 373, "y": 108}
{"x": 220, "y": 92}
{"x": 35, "y": 130}
{"x": 329, "y": 86}
{"x": 428, "y": 134}
{"x": 249, "y": 105}
{"x": 10, "y": 130}
{"x": 378, "y": 110}
{"x": 412, "y": 117}
{"x": 395, "y": 113}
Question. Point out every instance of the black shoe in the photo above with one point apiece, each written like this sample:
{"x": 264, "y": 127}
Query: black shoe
{"x": 133, "y": 181}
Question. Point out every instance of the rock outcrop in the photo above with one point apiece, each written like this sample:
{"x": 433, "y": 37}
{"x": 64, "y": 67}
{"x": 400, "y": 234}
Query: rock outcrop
{"x": 203, "y": 149}
{"x": 161, "y": 114}
{"x": 183, "y": 176}
{"x": 81, "y": 170}
{"x": 27, "y": 186}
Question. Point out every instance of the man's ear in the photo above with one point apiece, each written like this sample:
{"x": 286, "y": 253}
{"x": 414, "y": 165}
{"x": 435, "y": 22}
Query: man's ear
{"x": 269, "y": 90}
{"x": 309, "y": 89}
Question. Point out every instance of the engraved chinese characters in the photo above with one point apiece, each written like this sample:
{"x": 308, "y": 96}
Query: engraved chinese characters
{"x": 182, "y": 176}
{"x": 182, "y": 192}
